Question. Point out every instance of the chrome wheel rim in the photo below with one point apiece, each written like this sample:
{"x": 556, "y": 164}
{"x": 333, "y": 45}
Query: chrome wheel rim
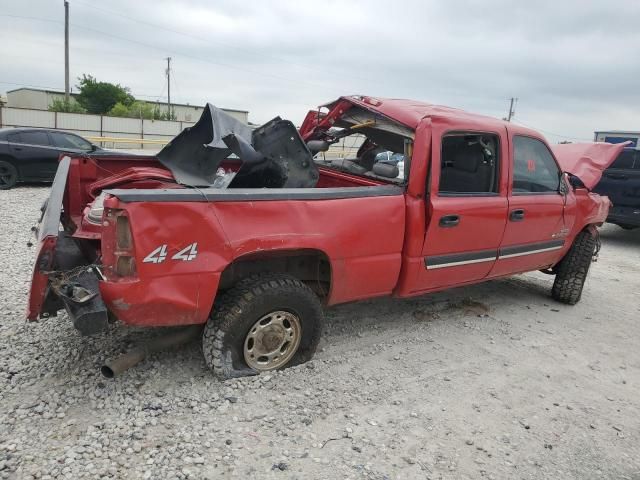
{"x": 272, "y": 341}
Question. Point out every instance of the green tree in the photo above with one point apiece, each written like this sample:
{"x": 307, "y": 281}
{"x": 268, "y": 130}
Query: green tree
{"x": 59, "y": 105}
{"x": 139, "y": 109}
{"x": 100, "y": 97}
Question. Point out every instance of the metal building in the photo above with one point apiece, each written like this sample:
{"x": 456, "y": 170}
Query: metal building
{"x": 618, "y": 136}
{"x": 40, "y": 99}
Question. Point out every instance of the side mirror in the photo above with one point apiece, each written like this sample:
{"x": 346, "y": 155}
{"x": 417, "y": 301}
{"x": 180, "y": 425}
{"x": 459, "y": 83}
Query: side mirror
{"x": 93, "y": 147}
{"x": 575, "y": 182}
{"x": 563, "y": 189}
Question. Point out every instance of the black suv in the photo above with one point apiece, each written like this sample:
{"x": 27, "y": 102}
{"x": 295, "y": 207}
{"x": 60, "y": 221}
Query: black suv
{"x": 621, "y": 183}
{"x": 31, "y": 154}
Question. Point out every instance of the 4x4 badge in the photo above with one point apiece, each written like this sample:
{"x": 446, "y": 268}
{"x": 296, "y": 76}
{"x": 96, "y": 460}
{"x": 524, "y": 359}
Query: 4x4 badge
{"x": 159, "y": 255}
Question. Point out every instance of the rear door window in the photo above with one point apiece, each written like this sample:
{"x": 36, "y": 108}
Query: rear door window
{"x": 469, "y": 164}
{"x": 67, "y": 140}
{"x": 35, "y": 138}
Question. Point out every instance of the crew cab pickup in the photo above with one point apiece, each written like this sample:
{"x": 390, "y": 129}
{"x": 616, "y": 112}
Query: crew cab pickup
{"x": 249, "y": 233}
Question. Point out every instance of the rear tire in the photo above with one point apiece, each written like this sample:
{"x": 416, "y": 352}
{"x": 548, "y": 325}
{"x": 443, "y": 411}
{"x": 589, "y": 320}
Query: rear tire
{"x": 230, "y": 333}
{"x": 573, "y": 269}
{"x": 8, "y": 175}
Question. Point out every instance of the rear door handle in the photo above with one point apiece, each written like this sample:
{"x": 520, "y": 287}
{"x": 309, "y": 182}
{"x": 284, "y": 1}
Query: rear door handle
{"x": 449, "y": 221}
{"x": 517, "y": 215}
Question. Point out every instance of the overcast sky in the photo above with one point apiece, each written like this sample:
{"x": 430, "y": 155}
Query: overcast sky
{"x": 573, "y": 65}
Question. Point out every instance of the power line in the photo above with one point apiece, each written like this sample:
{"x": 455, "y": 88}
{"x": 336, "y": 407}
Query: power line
{"x": 193, "y": 57}
{"x": 552, "y": 133}
{"x": 261, "y": 55}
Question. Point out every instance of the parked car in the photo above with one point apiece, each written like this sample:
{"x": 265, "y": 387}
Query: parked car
{"x": 621, "y": 183}
{"x": 250, "y": 266}
{"x": 31, "y": 154}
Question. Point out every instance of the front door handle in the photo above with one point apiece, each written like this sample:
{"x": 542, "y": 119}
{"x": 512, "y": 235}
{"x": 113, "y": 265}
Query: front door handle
{"x": 449, "y": 221}
{"x": 517, "y": 215}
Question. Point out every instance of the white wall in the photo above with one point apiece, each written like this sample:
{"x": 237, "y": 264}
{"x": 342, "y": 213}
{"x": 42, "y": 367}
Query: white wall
{"x": 42, "y": 99}
{"x": 95, "y": 126}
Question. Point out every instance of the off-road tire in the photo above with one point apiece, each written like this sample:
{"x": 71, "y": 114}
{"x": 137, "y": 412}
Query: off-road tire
{"x": 236, "y": 311}
{"x": 573, "y": 269}
{"x": 9, "y": 175}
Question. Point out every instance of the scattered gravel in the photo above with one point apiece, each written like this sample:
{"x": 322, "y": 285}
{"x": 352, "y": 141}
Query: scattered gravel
{"x": 489, "y": 381}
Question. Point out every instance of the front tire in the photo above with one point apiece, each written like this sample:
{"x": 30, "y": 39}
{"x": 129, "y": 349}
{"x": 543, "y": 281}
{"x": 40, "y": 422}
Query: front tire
{"x": 8, "y": 175}
{"x": 573, "y": 269}
{"x": 263, "y": 323}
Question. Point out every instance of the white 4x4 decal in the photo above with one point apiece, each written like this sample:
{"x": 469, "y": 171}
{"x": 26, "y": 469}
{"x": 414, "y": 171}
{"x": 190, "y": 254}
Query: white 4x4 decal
{"x": 159, "y": 255}
{"x": 187, "y": 254}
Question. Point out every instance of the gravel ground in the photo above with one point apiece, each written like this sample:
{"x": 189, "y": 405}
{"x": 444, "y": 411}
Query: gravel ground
{"x": 493, "y": 381}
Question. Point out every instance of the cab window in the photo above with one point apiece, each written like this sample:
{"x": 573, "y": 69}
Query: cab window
{"x": 535, "y": 169}
{"x": 469, "y": 164}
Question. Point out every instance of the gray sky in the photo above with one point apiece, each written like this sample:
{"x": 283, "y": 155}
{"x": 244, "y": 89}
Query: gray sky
{"x": 574, "y": 65}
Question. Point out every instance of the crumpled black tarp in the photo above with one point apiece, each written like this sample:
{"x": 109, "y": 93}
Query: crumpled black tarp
{"x": 273, "y": 155}
{"x": 195, "y": 154}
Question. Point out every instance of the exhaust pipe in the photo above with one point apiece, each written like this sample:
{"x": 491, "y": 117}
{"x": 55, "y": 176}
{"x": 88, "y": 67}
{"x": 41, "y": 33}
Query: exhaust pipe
{"x": 124, "y": 362}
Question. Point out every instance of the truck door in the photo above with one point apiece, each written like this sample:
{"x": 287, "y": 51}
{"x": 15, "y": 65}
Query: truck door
{"x": 466, "y": 206}
{"x": 540, "y": 216}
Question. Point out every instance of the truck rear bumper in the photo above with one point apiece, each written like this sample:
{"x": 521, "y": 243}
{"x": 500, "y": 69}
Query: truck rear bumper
{"x": 83, "y": 303}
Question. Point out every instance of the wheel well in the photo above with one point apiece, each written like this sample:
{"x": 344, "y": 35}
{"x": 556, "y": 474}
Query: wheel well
{"x": 309, "y": 266}
{"x": 8, "y": 158}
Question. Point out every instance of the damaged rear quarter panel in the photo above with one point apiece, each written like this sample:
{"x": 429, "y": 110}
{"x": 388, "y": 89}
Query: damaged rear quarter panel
{"x": 173, "y": 291}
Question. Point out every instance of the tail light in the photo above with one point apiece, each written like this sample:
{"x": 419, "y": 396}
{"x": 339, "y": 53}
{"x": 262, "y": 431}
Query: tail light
{"x": 123, "y": 233}
{"x": 117, "y": 244}
{"x": 125, "y": 266}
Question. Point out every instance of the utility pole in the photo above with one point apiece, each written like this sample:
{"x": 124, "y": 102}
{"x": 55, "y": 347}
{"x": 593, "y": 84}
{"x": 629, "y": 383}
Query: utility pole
{"x": 512, "y": 110}
{"x": 66, "y": 51}
{"x": 169, "y": 87}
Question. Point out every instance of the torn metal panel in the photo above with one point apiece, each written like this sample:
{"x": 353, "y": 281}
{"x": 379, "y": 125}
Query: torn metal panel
{"x": 587, "y": 161}
{"x": 288, "y": 161}
{"x": 273, "y": 155}
{"x": 195, "y": 154}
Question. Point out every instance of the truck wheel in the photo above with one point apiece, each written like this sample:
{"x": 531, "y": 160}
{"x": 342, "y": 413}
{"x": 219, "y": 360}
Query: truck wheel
{"x": 8, "y": 175}
{"x": 263, "y": 323}
{"x": 573, "y": 268}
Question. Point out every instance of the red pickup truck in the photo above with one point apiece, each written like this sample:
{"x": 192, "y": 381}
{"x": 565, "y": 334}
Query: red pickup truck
{"x": 249, "y": 233}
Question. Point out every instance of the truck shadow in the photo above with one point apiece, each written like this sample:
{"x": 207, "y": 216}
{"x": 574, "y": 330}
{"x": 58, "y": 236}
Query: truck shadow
{"x": 624, "y": 238}
{"x": 486, "y": 300}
